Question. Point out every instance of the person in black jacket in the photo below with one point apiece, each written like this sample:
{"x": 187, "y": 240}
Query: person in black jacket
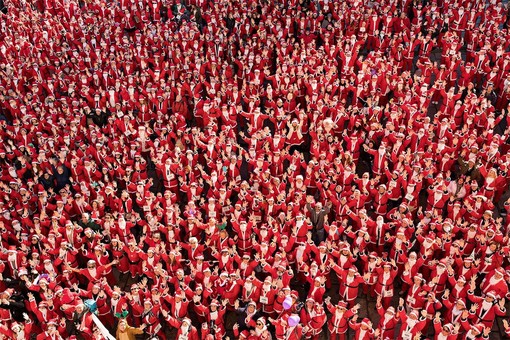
{"x": 61, "y": 174}
{"x": 14, "y": 304}
{"x": 100, "y": 118}
{"x": 247, "y": 316}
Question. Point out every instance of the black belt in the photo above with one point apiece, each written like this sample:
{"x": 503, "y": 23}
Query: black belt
{"x": 132, "y": 262}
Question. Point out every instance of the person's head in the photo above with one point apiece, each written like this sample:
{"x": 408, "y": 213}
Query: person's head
{"x": 499, "y": 273}
{"x": 460, "y": 305}
{"x": 52, "y": 328}
{"x": 96, "y": 289}
{"x": 447, "y": 329}
{"x": 387, "y": 267}
{"x": 123, "y": 325}
{"x": 80, "y": 308}
{"x": 251, "y": 307}
{"x": 490, "y": 297}
{"x": 261, "y": 323}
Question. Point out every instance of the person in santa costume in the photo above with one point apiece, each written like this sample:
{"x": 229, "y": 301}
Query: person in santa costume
{"x": 447, "y": 331}
{"x": 386, "y": 273}
{"x": 350, "y": 280}
{"x": 215, "y": 315}
{"x": 485, "y": 309}
{"x": 338, "y": 323}
{"x": 52, "y": 332}
{"x": 185, "y": 329}
{"x": 363, "y": 330}
{"x": 82, "y": 322}
{"x": 289, "y": 327}
{"x": 150, "y": 318}
{"x": 387, "y": 322}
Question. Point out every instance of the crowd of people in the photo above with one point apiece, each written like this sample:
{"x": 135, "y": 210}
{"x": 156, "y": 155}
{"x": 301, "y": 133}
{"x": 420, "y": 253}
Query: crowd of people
{"x": 254, "y": 169}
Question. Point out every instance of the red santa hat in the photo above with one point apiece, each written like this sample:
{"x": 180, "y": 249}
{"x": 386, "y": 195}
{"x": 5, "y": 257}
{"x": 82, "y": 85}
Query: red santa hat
{"x": 448, "y": 327}
{"x": 341, "y": 304}
{"x": 478, "y": 328}
{"x": 499, "y": 271}
{"x": 492, "y": 294}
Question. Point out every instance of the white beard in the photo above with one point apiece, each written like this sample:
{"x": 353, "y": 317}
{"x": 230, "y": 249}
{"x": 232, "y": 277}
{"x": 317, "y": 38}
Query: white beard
{"x": 122, "y": 224}
{"x": 184, "y": 330}
{"x": 13, "y": 173}
{"x": 20, "y": 335}
{"x": 486, "y": 305}
{"x": 411, "y": 322}
{"x": 213, "y": 315}
{"x": 299, "y": 253}
{"x": 493, "y": 280}
{"x": 259, "y": 331}
{"x": 49, "y": 268}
